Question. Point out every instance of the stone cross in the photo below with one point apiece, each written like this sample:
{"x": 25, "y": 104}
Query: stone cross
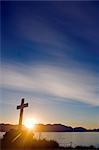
{"x": 21, "y": 107}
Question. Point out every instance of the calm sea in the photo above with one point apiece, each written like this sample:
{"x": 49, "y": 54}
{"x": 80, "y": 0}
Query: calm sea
{"x": 69, "y": 138}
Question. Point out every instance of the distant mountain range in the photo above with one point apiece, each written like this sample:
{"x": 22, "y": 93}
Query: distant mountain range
{"x": 49, "y": 128}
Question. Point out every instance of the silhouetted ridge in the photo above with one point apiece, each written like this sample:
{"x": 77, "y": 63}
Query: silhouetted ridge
{"x": 77, "y": 129}
{"x": 53, "y": 128}
{"x": 49, "y": 128}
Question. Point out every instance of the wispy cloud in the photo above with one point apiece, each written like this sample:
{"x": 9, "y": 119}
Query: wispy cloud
{"x": 59, "y": 29}
{"x": 76, "y": 84}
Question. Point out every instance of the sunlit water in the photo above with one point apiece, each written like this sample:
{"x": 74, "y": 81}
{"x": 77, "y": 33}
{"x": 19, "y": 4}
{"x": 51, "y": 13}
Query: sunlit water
{"x": 70, "y": 138}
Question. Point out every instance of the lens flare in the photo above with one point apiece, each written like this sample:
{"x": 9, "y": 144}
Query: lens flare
{"x": 29, "y": 123}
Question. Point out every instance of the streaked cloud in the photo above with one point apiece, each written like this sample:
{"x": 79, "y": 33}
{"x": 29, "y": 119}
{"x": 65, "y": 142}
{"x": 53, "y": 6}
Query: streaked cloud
{"x": 65, "y": 84}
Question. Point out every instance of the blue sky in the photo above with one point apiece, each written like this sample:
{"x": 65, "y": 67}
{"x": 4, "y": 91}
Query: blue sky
{"x": 50, "y": 56}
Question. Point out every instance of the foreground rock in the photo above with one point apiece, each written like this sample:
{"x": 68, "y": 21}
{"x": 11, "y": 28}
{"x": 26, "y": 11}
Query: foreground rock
{"x": 17, "y": 139}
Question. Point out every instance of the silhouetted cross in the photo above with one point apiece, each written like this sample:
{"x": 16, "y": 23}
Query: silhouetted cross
{"x": 21, "y": 107}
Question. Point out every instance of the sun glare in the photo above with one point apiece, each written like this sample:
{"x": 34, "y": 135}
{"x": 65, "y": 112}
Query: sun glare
{"x": 29, "y": 123}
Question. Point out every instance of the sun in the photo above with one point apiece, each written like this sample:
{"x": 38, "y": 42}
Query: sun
{"x": 29, "y": 123}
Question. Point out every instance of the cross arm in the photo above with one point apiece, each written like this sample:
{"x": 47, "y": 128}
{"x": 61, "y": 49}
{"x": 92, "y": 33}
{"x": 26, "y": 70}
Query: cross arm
{"x": 26, "y": 105}
{"x": 22, "y": 106}
{"x": 18, "y": 107}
